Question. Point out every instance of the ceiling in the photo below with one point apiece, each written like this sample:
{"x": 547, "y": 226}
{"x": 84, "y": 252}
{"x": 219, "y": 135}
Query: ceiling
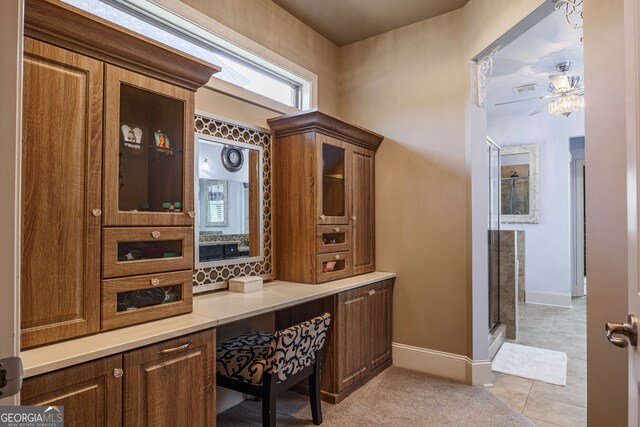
{"x": 531, "y": 58}
{"x": 348, "y": 21}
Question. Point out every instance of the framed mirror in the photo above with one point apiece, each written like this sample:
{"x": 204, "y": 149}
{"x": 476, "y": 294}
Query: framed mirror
{"x": 519, "y": 184}
{"x": 228, "y": 189}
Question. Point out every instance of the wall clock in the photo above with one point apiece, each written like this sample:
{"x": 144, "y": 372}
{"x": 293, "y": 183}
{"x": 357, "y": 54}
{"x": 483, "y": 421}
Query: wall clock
{"x": 232, "y": 159}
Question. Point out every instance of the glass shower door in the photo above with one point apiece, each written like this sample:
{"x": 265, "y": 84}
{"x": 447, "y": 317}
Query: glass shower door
{"x": 493, "y": 158}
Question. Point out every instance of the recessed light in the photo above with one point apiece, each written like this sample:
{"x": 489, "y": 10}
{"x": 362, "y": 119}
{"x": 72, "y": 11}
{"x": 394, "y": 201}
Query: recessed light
{"x": 526, "y": 88}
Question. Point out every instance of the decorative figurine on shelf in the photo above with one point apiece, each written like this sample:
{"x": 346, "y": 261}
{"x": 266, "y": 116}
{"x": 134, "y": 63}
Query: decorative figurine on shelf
{"x": 162, "y": 141}
{"x": 132, "y": 137}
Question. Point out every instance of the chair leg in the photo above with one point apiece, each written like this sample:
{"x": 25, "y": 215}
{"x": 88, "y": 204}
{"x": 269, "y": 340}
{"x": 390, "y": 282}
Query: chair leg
{"x": 268, "y": 402}
{"x": 314, "y": 394}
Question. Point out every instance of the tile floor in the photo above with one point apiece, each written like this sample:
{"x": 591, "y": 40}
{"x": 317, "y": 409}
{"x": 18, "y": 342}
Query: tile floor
{"x": 561, "y": 329}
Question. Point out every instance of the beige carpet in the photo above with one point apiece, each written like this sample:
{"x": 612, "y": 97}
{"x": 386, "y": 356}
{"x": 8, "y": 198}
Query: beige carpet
{"x": 396, "y": 397}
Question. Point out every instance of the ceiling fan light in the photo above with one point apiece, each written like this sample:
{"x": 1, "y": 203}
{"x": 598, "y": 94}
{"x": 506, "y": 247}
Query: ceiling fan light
{"x": 566, "y": 105}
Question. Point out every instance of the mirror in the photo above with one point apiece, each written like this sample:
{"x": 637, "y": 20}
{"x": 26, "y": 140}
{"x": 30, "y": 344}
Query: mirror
{"x": 519, "y": 184}
{"x": 229, "y": 202}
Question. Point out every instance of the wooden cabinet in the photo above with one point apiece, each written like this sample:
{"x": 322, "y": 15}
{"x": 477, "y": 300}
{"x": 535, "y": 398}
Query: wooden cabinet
{"x": 83, "y": 74}
{"x": 171, "y": 383}
{"x": 61, "y": 169}
{"x": 324, "y": 179}
{"x": 91, "y": 393}
{"x": 358, "y": 346}
{"x": 166, "y": 384}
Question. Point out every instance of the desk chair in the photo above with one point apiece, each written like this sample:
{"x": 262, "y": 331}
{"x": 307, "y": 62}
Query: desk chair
{"x": 264, "y": 365}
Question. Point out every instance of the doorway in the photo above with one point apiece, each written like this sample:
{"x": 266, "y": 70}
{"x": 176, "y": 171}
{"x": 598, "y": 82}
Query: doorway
{"x": 534, "y": 109}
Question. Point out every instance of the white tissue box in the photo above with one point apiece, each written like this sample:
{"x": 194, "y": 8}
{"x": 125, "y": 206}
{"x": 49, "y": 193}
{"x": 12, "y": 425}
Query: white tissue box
{"x": 245, "y": 284}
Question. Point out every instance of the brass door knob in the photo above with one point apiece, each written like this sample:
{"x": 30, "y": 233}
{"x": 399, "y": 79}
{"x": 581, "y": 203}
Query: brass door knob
{"x": 155, "y": 282}
{"x": 628, "y": 329}
{"x": 96, "y": 212}
{"x": 155, "y": 234}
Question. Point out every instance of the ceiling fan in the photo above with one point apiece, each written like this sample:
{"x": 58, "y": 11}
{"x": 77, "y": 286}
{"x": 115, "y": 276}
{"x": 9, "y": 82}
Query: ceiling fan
{"x": 566, "y": 93}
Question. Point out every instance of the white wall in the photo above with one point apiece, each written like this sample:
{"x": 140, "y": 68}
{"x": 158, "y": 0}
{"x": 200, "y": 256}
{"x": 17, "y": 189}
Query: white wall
{"x": 548, "y": 262}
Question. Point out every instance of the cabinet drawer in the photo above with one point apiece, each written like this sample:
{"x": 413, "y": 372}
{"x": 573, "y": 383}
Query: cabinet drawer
{"x": 332, "y": 266}
{"x": 130, "y": 251}
{"x": 333, "y": 238}
{"x": 131, "y": 300}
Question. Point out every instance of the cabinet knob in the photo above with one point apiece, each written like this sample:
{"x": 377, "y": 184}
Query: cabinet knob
{"x": 118, "y": 372}
{"x": 323, "y": 217}
{"x": 353, "y": 218}
{"x": 155, "y": 282}
{"x": 372, "y": 291}
{"x": 96, "y": 212}
{"x": 336, "y": 229}
{"x": 336, "y": 257}
{"x": 155, "y": 234}
{"x": 192, "y": 214}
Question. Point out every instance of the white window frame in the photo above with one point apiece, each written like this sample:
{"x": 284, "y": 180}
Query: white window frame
{"x": 194, "y": 24}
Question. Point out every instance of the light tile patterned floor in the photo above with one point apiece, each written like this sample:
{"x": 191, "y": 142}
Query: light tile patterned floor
{"x": 561, "y": 329}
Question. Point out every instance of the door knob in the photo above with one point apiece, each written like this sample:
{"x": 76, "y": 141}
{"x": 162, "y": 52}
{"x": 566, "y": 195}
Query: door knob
{"x": 629, "y": 329}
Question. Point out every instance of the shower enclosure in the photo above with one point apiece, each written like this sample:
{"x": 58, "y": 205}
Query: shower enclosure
{"x": 493, "y": 159}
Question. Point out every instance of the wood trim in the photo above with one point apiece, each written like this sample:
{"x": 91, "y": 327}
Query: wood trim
{"x": 64, "y": 25}
{"x": 46, "y": 233}
{"x": 90, "y": 393}
{"x": 314, "y": 120}
{"x": 111, "y": 267}
{"x": 178, "y": 384}
{"x": 331, "y": 229}
{"x": 111, "y": 318}
{"x": 114, "y": 77}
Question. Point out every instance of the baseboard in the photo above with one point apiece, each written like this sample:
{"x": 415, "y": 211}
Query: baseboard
{"x": 548, "y": 298}
{"x": 442, "y": 364}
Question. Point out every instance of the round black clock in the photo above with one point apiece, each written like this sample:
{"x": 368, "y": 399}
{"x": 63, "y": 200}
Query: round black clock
{"x": 232, "y": 159}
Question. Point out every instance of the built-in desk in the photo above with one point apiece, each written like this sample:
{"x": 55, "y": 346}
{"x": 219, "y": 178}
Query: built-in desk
{"x": 209, "y": 311}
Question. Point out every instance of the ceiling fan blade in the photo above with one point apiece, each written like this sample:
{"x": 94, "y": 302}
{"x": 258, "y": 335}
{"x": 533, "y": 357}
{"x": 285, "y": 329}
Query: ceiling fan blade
{"x": 540, "y": 109}
{"x": 519, "y": 100}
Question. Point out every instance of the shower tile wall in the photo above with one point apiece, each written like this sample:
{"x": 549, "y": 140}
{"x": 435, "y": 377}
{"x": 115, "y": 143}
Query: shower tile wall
{"x": 511, "y": 248}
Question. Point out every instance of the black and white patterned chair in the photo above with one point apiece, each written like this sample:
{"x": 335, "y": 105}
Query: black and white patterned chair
{"x": 263, "y": 364}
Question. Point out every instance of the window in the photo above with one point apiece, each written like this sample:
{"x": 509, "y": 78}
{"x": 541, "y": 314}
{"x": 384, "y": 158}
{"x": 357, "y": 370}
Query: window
{"x": 239, "y": 67}
{"x": 216, "y": 208}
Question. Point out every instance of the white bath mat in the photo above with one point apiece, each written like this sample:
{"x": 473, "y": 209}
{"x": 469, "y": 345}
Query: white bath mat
{"x": 531, "y": 362}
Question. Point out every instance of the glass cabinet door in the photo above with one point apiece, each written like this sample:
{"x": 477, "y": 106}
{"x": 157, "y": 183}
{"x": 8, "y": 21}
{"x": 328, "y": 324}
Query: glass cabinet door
{"x": 148, "y": 157}
{"x": 334, "y": 186}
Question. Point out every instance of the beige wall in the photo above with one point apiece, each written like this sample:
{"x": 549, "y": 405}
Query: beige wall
{"x": 271, "y": 26}
{"x": 412, "y": 85}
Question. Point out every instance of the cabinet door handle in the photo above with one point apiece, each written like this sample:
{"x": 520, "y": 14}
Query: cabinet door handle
{"x": 175, "y": 349}
{"x": 118, "y": 372}
{"x": 96, "y": 212}
{"x": 336, "y": 257}
{"x": 336, "y": 229}
{"x": 155, "y": 234}
{"x": 372, "y": 292}
{"x": 192, "y": 214}
{"x": 155, "y": 282}
{"x": 323, "y": 217}
{"x": 353, "y": 218}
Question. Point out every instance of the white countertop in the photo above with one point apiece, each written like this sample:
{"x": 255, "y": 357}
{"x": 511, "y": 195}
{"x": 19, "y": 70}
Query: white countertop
{"x": 209, "y": 310}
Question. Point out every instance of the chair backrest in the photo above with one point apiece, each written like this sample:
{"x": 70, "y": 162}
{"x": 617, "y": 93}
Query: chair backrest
{"x": 295, "y": 348}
